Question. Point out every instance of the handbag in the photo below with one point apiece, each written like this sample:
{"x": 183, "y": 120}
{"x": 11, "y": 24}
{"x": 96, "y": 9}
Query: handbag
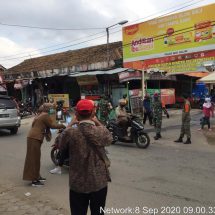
{"x": 104, "y": 157}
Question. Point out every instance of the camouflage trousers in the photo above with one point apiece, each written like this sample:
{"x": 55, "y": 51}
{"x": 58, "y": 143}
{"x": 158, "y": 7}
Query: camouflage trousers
{"x": 185, "y": 128}
{"x": 157, "y": 123}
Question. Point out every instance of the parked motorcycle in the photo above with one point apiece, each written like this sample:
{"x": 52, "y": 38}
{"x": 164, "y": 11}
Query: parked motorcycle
{"x": 25, "y": 108}
{"x": 55, "y": 152}
{"x": 137, "y": 133}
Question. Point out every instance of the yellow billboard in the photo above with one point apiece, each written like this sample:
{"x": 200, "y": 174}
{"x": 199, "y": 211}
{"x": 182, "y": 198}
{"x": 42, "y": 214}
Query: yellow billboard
{"x": 181, "y": 33}
{"x": 60, "y": 97}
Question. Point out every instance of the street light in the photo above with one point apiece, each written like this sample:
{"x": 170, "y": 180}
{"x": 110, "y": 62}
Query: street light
{"x": 107, "y": 30}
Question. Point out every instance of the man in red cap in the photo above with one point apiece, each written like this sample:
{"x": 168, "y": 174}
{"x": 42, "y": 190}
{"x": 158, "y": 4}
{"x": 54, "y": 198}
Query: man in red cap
{"x": 88, "y": 172}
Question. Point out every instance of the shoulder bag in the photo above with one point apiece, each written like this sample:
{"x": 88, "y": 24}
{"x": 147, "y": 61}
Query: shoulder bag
{"x": 104, "y": 157}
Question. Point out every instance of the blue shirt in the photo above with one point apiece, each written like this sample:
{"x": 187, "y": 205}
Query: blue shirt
{"x": 147, "y": 105}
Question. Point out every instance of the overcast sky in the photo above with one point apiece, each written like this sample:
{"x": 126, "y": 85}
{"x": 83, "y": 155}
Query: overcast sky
{"x": 18, "y": 44}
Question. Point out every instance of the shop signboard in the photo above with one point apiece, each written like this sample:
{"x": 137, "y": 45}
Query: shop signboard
{"x": 151, "y": 92}
{"x": 176, "y": 35}
{"x": 136, "y": 105}
{"x": 59, "y": 97}
{"x": 167, "y": 95}
{"x": 135, "y": 92}
{"x": 167, "y": 98}
{"x": 159, "y": 76}
{"x": 87, "y": 80}
{"x": 127, "y": 76}
{"x": 181, "y": 63}
{"x": 135, "y": 98}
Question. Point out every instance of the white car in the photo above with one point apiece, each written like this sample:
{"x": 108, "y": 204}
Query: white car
{"x": 9, "y": 117}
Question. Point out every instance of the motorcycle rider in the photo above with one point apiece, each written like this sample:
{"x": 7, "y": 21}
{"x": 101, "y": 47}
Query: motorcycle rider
{"x": 122, "y": 117}
{"x": 59, "y": 110}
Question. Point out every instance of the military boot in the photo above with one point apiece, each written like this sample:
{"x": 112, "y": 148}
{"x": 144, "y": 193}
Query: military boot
{"x": 179, "y": 140}
{"x": 158, "y": 136}
{"x": 188, "y": 141}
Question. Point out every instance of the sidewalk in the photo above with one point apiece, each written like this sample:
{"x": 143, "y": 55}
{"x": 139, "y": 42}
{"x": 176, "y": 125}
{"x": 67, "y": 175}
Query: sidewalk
{"x": 13, "y": 201}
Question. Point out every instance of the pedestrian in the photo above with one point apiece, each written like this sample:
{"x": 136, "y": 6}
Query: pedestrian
{"x": 125, "y": 98}
{"x": 122, "y": 118}
{"x": 208, "y": 111}
{"x": 158, "y": 108}
{"x": 185, "y": 127}
{"x": 147, "y": 109}
{"x": 40, "y": 128}
{"x": 88, "y": 163}
{"x": 104, "y": 108}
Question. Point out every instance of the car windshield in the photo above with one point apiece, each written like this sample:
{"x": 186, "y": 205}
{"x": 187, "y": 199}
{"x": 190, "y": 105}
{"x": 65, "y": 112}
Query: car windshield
{"x": 7, "y": 103}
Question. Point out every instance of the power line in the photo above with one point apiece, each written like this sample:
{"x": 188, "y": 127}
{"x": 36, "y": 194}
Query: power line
{"x": 96, "y": 33}
{"x": 178, "y": 32}
{"x": 169, "y": 12}
{"x": 177, "y": 9}
{"x": 57, "y": 48}
{"x": 91, "y": 35}
{"x": 161, "y": 36}
{"x": 48, "y": 28}
{"x": 72, "y": 29}
{"x": 158, "y": 37}
{"x": 9, "y": 56}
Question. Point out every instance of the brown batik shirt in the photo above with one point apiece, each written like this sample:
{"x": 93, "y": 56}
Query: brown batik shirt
{"x": 87, "y": 171}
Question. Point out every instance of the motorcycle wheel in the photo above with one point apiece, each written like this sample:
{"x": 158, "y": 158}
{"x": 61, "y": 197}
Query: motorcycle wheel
{"x": 54, "y": 154}
{"x": 115, "y": 139}
{"x": 142, "y": 141}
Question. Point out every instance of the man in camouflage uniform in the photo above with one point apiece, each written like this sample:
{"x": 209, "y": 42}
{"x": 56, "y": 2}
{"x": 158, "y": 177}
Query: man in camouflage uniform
{"x": 104, "y": 108}
{"x": 157, "y": 109}
{"x": 185, "y": 127}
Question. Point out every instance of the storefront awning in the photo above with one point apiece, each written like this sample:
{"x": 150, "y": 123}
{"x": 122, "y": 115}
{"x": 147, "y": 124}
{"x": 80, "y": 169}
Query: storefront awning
{"x": 209, "y": 79}
{"x": 197, "y": 74}
{"x": 107, "y": 72}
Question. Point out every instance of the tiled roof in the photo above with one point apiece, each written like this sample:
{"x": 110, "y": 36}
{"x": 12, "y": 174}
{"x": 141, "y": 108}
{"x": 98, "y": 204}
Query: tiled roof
{"x": 66, "y": 59}
{"x": 2, "y": 68}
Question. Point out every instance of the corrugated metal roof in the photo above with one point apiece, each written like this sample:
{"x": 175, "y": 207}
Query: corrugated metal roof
{"x": 107, "y": 72}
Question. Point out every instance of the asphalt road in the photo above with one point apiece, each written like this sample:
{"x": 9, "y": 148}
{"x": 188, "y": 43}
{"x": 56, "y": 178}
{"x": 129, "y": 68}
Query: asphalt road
{"x": 164, "y": 175}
